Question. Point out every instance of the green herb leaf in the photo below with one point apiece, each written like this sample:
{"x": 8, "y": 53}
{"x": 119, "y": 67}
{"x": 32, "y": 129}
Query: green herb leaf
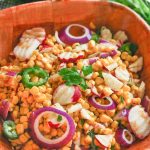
{"x": 92, "y": 135}
{"x": 87, "y": 70}
{"x": 72, "y": 77}
{"x": 82, "y": 121}
{"x": 122, "y": 99}
{"x": 101, "y": 74}
{"x": 130, "y": 48}
{"x": 112, "y": 147}
{"x": 59, "y": 118}
{"x": 95, "y": 37}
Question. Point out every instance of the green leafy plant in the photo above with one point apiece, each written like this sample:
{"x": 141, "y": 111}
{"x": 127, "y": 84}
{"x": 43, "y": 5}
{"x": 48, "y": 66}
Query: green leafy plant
{"x": 142, "y": 7}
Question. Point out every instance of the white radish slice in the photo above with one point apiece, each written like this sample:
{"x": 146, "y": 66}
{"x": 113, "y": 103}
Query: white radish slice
{"x": 85, "y": 114}
{"x": 70, "y": 56}
{"x": 122, "y": 74}
{"x": 137, "y": 65}
{"x": 81, "y": 47}
{"x": 74, "y": 108}
{"x": 112, "y": 66}
{"x": 139, "y": 121}
{"x": 142, "y": 90}
{"x": 112, "y": 82}
{"x": 105, "y": 140}
{"x": 120, "y": 36}
{"x": 66, "y": 94}
{"x": 29, "y": 42}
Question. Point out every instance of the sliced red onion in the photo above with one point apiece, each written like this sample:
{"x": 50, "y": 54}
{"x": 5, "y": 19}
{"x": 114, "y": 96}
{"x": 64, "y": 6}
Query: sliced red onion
{"x": 146, "y": 104}
{"x": 11, "y": 73}
{"x": 37, "y": 136}
{"x": 104, "y": 55}
{"x": 67, "y": 57}
{"x": 66, "y": 94}
{"x": 66, "y": 37}
{"x": 4, "y": 108}
{"x": 122, "y": 115}
{"x": 113, "y": 53}
{"x": 103, "y": 41}
{"x": 124, "y": 137}
{"x": 93, "y": 60}
{"x": 110, "y": 106}
{"x": 139, "y": 121}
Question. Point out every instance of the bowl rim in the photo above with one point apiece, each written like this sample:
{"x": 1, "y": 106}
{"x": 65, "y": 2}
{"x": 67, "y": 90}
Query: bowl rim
{"x": 115, "y": 4}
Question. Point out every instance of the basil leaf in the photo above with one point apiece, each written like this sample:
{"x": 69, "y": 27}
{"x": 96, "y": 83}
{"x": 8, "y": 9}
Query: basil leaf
{"x": 72, "y": 77}
{"x": 59, "y": 118}
{"x": 87, "y": 70}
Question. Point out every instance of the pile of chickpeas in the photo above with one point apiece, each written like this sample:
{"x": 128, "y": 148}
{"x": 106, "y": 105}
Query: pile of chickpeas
{"x": 24, "y": 100}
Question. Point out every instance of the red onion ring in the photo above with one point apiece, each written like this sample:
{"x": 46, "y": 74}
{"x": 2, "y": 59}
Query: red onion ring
{"x": 50, "y": 143}
{"x": 110, "y": 106}
{"x": 122, "y": 139}
{"x": 93, "y": 60}
{"x": 4, "y": 108}
{"x": 65, "y": 37}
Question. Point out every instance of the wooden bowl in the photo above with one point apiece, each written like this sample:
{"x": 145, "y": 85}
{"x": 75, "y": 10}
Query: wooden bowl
{"x": 53, "y": 16}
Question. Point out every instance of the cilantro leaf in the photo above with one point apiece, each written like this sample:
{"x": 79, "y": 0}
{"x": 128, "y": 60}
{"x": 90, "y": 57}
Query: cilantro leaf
{"x": 72, "y": 77}
{"x": 95, "y": 37}
{"x": 122, "y": 99}
{"x": 101, "y": 74}
{"x": 82, "y": 121}
{"x": 59, "y": 118}
{"x": 112, "y": 147}
{"x": 130, "y": 48}
{"x": 92, "y": 135}
{"x": 87, "y": 70}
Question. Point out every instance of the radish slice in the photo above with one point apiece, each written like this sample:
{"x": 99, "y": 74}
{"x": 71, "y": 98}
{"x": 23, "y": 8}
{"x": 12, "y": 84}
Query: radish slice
{"x": 139, "y": 121}
{"x": 112, "y": 66}
{"x": 70, "y": 56}
{"x": 75, "y": 108}
{"x": 112, "y": 82}
{"x": 105, "y": 140}
{"x": 81, "y": 48}
{"x": 124, "y": 137}
{"x": 94, "y": 91}
{"x": 122, "y": 115}
{"x": 29, "y": 42}
{"x": 122, "y": 74}
{"x": 4, "y": 108}
{"x": 85, "y": 114}
{"x": 137, "y": 65}
{"x": 66, "y": 94}
{"x": 142, "y": 90}
{"x": 146, "y": 104}
{"x": 120, "y": 36}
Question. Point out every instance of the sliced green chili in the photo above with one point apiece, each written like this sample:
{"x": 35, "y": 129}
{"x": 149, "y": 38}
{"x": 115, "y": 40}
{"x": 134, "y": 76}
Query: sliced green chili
{"x": 34, "y": 71}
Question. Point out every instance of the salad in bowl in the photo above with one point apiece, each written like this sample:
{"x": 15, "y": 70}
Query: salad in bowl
{"x": 78, "y": 88}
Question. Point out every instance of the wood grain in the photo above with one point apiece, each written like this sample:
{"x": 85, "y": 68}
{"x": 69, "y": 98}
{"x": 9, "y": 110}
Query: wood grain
{"x": 53, "y": 16}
